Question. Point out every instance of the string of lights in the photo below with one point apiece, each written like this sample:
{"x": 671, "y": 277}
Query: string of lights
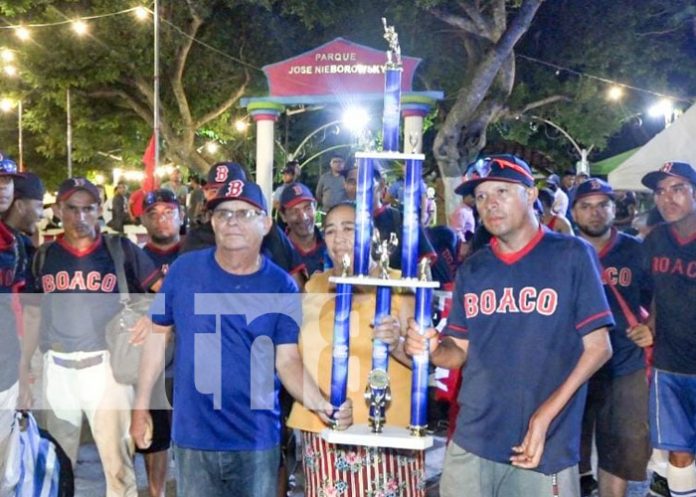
{"x": 79, "y": 25}
{"x": 616, "y": 84}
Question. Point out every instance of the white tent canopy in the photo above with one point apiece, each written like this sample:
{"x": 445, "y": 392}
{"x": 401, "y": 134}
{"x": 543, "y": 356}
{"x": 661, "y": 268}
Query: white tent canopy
{"x": 676, "y": 143}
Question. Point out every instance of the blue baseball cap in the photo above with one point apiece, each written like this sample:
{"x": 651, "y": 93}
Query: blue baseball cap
{"x": 29, "y": 186}
{"x": 160, "y": 196}
{"x": 8, "y": 167}
{"x": 593, "y": 186}
{"x": 239, "y": 189}
{"x": 505, "y": 167}
{"x": 223, "y": 172}
{"x": 674, "y": 169}
{"x": 72, "y": 185}
{"x": 293, "y": 194}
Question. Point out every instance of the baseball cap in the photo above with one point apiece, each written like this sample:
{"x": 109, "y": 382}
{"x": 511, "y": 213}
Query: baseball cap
{"x": 29, "y": 186}
{"x": 506, "y": 167}
{"x": 554, "y": 180}
{"x": 8, "y": 167}
{"x": 569, "y": 172}
{"x": 222, "y": 172}
{"x": 593, "y": 186}
{"x": 293, "y": 194}
{"x": 160, "y": 196}
{"x": 239, "y": 189}
{"x": 675, "y": 169}
{"x": 72, "y": 185}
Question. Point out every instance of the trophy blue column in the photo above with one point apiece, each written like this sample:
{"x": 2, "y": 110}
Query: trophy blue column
{"x": 341, "y": 345}
{"x": 419, "y": 380}
{"x": 392, "y": 109}
{"x": 380, "y": 350}
{"x": 363, "y": 217}
{"x": 411, "y": 226}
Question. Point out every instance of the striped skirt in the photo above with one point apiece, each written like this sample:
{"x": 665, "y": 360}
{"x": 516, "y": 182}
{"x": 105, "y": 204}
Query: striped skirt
{"x": 354, "y": 471}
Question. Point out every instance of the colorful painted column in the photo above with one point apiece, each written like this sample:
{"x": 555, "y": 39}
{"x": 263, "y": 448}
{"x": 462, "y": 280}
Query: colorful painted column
{"x": 414, "y": 108}
{"x": 411, "y": 224}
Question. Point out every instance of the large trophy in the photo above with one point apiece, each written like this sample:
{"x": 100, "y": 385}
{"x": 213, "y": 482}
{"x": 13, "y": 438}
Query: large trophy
{"x": 415, "y": 276}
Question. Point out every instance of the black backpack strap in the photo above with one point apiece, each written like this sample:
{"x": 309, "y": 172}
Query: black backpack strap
{"x": 114, "y": 244}
{"x": 39, "y": 259}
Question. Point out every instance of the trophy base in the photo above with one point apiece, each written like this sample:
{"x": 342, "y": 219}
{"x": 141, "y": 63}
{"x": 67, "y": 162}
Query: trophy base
{"x": 370, "y": 281}
{"x": 391, "y": 436}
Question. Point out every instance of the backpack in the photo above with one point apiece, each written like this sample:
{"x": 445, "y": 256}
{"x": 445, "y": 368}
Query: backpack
{"x": 36, "y": 465}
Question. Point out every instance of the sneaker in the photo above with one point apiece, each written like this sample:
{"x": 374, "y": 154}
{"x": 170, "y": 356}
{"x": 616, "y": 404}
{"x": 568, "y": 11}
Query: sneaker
{"x": 588, "y": 485}
{"x": 659, "y": 486}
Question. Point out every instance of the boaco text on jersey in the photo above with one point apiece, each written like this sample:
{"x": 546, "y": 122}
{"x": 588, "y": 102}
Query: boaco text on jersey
{"x": 524, "y": 315}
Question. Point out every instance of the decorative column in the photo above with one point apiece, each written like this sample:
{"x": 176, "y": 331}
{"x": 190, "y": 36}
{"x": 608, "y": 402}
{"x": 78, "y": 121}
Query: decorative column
{"x": 414, "y": 108}
{"x": 265, "y": 115}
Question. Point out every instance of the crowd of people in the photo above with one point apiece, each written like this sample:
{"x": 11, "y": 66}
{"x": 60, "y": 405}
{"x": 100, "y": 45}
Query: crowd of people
{"x": 562, "y": 330}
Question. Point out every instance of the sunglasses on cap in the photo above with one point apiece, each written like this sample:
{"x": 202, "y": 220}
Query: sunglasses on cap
{"x": 482, "y": 168}
{"x": 159, "y": 196}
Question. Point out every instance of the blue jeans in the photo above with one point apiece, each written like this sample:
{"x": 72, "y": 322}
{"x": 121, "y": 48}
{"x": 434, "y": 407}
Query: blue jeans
{"x": 202, "y": 473}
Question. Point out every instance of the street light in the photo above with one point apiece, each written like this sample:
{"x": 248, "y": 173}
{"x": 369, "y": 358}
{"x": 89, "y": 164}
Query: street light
{"x": 22, "y": 33}
{"x": 6, "y": 105}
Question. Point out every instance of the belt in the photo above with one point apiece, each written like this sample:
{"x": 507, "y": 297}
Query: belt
{"x": 78, "y": 363}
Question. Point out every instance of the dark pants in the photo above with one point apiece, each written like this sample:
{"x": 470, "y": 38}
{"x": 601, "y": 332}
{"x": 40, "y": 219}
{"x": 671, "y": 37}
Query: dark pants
{"x": 202, "y": 473}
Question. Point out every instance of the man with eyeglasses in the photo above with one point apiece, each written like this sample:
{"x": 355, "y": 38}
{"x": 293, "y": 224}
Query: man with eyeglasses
{"x": 616, "y": 411}
{"x": 298, "y": 208}
{"x": 77, "y": 276}
{"x": 671, "y": 259}
{"x": 275, "y": 244}
{"x": 529, "y": 319}
{"x": 237, "y": 325}
{"x": 10, "y": 283}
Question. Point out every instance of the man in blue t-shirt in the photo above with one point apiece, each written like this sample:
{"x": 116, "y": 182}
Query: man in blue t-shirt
{"x": 616, "y": 412}
{"x": 670, "y": 251}
{"x": 237, "y": 318}
{"x": 529, "y": 326}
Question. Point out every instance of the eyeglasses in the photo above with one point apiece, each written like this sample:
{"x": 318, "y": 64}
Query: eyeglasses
{"x": 239, "y": 215}
{"x": 159, "y": 196}
{"x": 483, "y": 167}
{"x": 678, "y": 189}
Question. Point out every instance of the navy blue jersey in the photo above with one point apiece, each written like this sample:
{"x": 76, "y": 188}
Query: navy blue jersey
{"x": 10, "y": 283}
{"x": 445, "y": 242}
{"x": 622, "y": 268}
{"x": 388, "y": 220}
{"x": 316, "y": 258}
{"x": 672, "y": 264}
{"x": 162, "y": 258}
{"x": 81, "y": 292}
{"x": 275, "y": 245}
{"x": 216, "y": 390}
{"x": 524, "y": 315}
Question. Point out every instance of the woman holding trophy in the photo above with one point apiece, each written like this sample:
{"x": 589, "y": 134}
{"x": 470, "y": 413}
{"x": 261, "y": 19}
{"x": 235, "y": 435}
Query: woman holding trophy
{"x": 349, "y": 470}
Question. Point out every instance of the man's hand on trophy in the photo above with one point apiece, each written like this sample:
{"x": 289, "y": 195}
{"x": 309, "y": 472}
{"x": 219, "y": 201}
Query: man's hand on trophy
{"x": 338, "y": 419}
{"x": 416, "y": 342}
{"x": 388, "y": 331}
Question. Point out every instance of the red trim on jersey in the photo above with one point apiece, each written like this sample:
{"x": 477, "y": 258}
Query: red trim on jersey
{"x": 610, "y": 243}
{"x": 297, "y": 269}
{"x": 592, "y": 318}
{"x": 459, "y": 330}
{"x": 60, "y": 239}
{"x": 551, "y": 223}
{"x": 380, "y": 210}
{"x": 679, "y": 239}
{"x": 171, "y": 250}
{"x": 152, "y": 278}
{"x": 7, "y": 238}
{"x": 510, "y": 258}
